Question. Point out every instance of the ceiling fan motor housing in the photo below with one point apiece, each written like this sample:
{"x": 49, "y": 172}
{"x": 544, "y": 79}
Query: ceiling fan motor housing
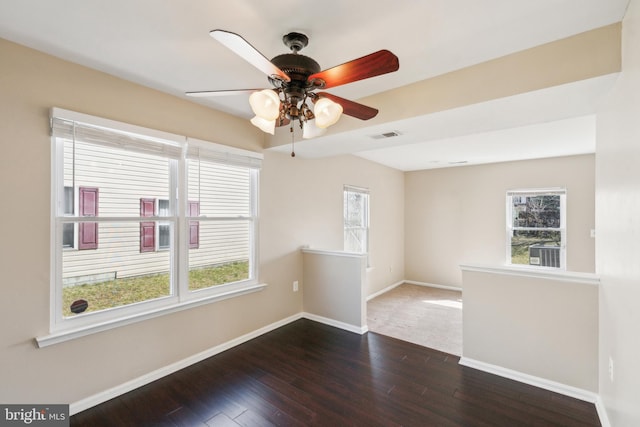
{"x": 298, "y": 68}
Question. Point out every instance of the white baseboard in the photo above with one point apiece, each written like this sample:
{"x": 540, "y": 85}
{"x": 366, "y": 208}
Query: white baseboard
{"x": 576, "y": 393}
{"x": 385, "y": 290}
{"x": 412, "y": 282}
{"x": 116, "y": 391}
{"x": 433, "y": 285}
{"x": 567, "y": 390}
{"x": 121, "y": 389}
{"x": 113, "y": 392}
{"x": 340, "y": 325}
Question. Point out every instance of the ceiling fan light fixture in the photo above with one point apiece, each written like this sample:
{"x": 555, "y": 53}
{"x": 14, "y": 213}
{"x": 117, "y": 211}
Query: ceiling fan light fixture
{"x": 311, "y": 130}
{"x": 268, "y": 126}
{"x": 295, "y": 78}
{"x": 327, "y": 112}
{"x": 265, "y": 104}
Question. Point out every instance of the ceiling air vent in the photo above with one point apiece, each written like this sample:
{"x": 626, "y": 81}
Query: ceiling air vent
{"x": 391, "y": 134}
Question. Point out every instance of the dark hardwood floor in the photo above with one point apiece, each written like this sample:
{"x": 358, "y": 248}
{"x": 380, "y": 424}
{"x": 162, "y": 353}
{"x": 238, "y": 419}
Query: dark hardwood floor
{"x": 310, "y": 374}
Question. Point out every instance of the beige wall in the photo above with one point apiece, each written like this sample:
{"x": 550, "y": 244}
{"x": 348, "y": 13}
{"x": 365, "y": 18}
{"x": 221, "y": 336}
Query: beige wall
{"x": 618, "y": 232}
{"x": 301, "y": 204}
{"x": 31, "y": 83}
{"x": 457, "y": 215}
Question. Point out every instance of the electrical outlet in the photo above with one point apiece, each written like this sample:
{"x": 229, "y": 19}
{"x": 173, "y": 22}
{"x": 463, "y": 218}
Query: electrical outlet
{"x": 295, "y": 286}
{"x": 610, "y": 368}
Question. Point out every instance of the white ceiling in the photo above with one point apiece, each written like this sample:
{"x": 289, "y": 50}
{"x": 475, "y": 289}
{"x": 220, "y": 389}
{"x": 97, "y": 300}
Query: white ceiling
{"x": 164, "y": 44}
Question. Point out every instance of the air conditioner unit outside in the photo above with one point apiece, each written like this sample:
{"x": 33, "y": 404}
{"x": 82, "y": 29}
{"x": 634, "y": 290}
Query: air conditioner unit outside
{"x": 545, "y": 256}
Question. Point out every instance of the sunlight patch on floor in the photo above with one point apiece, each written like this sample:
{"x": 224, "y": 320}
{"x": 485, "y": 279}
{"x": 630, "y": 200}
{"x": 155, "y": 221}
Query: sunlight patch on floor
{"x": 446, "y": 303}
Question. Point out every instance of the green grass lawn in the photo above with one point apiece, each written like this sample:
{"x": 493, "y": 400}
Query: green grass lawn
{"x": 520, "y": 254}
{"x": 119, "y": 292}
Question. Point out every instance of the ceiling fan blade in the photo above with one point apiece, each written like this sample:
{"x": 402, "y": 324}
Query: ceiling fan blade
{"x": 206, "y": 93}
{"x": 351, "y": 108}
{"x": 243, "y": 48}
{"x": 374, "y": 64}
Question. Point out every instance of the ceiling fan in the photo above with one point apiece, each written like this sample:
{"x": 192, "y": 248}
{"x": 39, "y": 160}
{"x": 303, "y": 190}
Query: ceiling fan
{"x": 295, "y": 78}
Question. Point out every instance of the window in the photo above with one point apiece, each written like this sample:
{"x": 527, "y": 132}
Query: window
{"x": 356, "y": 219}
{"x": 149, "y": 229}
{"x": 194, "y": 226}
{"x": 68, "y": 230}
{"x": 169, "y": 220}
{"x": 536, "y": 227}
{"x": 163, "y": 227}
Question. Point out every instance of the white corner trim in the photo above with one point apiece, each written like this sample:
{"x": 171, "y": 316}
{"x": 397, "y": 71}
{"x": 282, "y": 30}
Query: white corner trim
{"x": 66, "y": 335}
{"x": 602, "y": 413}
{"x": 116, "y": 391}
{"x": 337, "y": 324}
{"x": 535, "y": 272}
{"x": 567, "y": 390}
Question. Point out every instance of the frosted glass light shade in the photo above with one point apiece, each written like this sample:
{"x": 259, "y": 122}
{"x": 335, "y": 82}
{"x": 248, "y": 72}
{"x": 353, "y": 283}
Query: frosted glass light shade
{"x": 265, "y": 104}
{"x": 310, "y": 130}
{"x": 327, "y": 112}
{"x": 268, "y": 126}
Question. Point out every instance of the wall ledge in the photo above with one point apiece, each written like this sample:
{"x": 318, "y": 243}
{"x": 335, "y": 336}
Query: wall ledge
{"x": 535, "y": 272}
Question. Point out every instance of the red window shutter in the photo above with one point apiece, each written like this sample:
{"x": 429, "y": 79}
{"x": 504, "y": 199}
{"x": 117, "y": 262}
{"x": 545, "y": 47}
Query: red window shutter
{"x": 194, "y": 226}
{"x": 147, "y": 229}
{"x": 88, "y": 231}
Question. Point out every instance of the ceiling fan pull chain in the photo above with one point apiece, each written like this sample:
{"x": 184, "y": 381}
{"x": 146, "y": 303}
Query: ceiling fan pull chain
{"x": 293, "y": 153}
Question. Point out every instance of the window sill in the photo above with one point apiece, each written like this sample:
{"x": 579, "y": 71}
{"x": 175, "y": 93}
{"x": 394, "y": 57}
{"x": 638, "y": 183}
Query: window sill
{"x": 70, "y": 334}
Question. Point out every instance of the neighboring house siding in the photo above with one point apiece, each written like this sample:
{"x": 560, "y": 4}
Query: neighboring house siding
{"x": 123, "y": 179}
{"x": 223, "y": 192}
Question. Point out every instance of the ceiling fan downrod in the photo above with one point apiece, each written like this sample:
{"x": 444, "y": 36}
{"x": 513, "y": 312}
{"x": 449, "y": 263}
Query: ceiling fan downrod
{"x": 295, "y": 41}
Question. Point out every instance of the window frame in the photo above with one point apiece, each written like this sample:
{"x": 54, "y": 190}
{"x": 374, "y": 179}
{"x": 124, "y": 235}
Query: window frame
{"x": 562, "y": 228}
{"x": 180, "y": 297}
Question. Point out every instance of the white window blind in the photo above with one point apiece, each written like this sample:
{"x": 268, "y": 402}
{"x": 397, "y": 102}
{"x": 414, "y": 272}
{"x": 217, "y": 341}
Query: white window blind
{"x": 94, "y": 130}
{"x": 208, "y": 151}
